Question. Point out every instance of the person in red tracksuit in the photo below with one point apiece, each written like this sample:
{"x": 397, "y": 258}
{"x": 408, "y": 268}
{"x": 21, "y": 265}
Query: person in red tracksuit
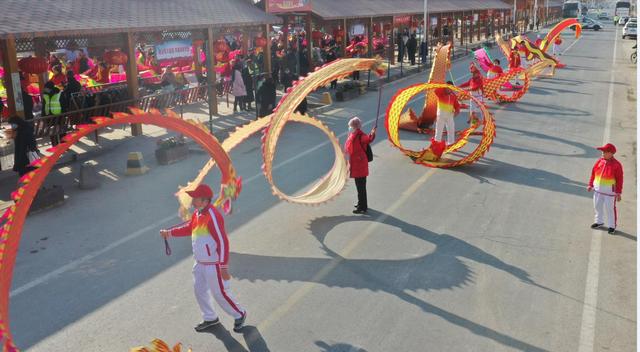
{"x": 606, "y": 184}
{"x": 211, "y": 253}
{"x": 356, "y": 147}
{"x": 474, "y": 84}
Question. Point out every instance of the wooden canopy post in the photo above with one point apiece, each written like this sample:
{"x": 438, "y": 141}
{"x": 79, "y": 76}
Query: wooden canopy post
{"x": 370, "y": 37}
{"x": 285, "y": 32}
{"x": 267, "y": 50}
{"x": 345, "y": 35}
{"x": 41, "y": 51}
{"x": 392, "y": 45}
{"x": 211, "y": 75}
{"x": 12, "y": 78}
{"x": 308, "y": 29}
{"x": 132, "y": 77}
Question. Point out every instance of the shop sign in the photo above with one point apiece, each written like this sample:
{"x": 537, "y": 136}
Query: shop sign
{"x": 173, "y": 49}
{"x": 280, "y": 6}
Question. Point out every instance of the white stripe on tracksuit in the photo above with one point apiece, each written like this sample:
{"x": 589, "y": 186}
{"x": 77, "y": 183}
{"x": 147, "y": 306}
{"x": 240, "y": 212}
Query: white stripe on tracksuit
{"x": 603, "y": 202}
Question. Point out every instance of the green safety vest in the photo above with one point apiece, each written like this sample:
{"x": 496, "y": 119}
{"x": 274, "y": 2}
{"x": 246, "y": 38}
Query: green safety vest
{"x": 52, "y": 105}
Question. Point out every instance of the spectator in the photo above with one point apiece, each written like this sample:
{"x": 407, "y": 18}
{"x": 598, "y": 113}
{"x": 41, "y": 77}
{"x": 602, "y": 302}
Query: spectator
{"x": 331, "y": 56}
{"x": 58, "y": 78}
{"x": 168, "y": 80}
{"x": 247, "y": 78}
{"x": 266, "y": 94}
{"x": 238, "y": 88}
{"x": 72, "y": 87}
{"x": 412, "y": 46}
{"x": 51, "y": 107}
{"x": 356, "y": 147}
{"x": 24, "y": 143}
{"x": 287, "y": 79}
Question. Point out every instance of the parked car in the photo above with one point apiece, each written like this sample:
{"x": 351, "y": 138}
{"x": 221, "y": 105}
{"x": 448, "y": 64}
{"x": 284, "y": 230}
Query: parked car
{"x": 630, "y": 30}
{"x": 604, "y": 16}
{"x": 588, "y": 23}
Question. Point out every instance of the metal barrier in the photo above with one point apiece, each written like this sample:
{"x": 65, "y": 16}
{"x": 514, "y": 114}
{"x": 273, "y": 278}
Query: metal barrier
{"x": 51, "y": 126}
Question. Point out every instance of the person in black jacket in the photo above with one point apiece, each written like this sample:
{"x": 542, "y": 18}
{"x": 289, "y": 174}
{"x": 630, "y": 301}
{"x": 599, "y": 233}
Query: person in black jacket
{"x": 24, "y": 142}
{"x": 72, "y": 87}
{"x": 248, "y": 85}
{"x": 412, "y": 46}
{"x": 266, "y": 94}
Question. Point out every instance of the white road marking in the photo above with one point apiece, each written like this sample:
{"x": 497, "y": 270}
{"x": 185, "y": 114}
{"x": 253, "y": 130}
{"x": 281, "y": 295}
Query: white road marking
{"x": 588, "y": 326}
{"x": 572, "y": 44}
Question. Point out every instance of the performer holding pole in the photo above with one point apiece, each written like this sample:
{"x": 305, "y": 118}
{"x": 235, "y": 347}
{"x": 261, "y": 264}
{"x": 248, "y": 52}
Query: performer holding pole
{"x": 606, "y": 184}
{"x": 211, "y": 253}
{"x": 475, "y": 87}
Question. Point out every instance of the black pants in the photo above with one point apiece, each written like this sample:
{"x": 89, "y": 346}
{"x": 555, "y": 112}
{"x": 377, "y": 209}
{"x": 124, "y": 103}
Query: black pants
{"x": 361, "y": 185}
{"x": 412, "y": 56}
{"x": 239, "y": 102}
{"x": 334, "y": 84}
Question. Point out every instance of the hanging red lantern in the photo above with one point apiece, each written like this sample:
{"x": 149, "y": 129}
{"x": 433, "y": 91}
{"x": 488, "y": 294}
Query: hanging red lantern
{"x": 221, "y": 45}
{"x": 316, "y": 35}
{"x": 115, "y": 57}
{"x": 261, "y": 42}
{"x": 33, "y": 65}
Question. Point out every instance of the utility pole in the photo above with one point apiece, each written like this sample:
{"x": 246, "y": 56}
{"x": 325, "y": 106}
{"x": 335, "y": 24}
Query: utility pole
{"x": 425, "y": 33}
{"x": 535, "y": 13}
{"x": 515, "y": 7}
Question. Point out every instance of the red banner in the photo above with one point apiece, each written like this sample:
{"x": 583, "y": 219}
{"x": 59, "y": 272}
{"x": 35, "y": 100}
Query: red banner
{"x": 281, "y": 6}
{"x": 402, "y": 20}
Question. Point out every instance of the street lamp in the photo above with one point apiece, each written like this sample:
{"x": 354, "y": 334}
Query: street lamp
{"x": 425, "y": 33}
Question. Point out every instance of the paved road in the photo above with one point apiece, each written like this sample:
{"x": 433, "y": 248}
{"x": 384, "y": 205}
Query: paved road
{"x": 496, "y": 256}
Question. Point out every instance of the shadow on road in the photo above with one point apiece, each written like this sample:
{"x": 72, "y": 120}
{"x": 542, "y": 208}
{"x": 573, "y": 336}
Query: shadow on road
{"x": 251, "y": 335}
{"x": 440, "y": 269}
{"x": 588, "y": 151}
{"x": 487, "y": 169}
{"x": 338, "y": 347}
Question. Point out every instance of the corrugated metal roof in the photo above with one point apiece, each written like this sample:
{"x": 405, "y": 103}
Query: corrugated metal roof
{"x": 31, "y": 18}
{"x": 337, "y": 9}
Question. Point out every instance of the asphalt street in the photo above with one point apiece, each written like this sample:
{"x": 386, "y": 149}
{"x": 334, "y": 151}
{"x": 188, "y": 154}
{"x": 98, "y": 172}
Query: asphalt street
{"x": 494, "y": 256}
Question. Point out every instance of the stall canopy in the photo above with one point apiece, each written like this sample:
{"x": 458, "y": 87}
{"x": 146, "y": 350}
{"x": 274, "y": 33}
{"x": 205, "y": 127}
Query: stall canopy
{"x": 47, "y": 18}
{"x": 338, "y": 9}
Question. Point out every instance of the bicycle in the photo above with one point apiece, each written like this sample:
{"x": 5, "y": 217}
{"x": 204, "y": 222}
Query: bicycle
{"x": 634, "y": 55}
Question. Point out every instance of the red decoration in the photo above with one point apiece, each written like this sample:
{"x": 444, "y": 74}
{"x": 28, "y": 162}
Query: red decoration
{"x": 221, "y": 45}
{"x": 261, "y": 42}
{"x": 387, "y": 27}
{"x": 115, "y": 57}
{"x": 33, "y": 65}
{"x": 198, "y": 42}
{"x": 316, "y": 35}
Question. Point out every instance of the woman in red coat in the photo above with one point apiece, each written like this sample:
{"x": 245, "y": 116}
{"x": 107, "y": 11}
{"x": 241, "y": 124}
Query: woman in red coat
{"x": 356, "y": 147}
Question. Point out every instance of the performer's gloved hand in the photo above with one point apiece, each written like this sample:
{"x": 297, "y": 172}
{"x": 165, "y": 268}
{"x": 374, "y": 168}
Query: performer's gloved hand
{"x": 618, "y": 197}
{"x": 165, "y": 234}
{"x": 589, "y": 188}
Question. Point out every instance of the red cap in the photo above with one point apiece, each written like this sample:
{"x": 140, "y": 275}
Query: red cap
{"x": 202, "y": 191}
{"x": 608, "y": 148}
